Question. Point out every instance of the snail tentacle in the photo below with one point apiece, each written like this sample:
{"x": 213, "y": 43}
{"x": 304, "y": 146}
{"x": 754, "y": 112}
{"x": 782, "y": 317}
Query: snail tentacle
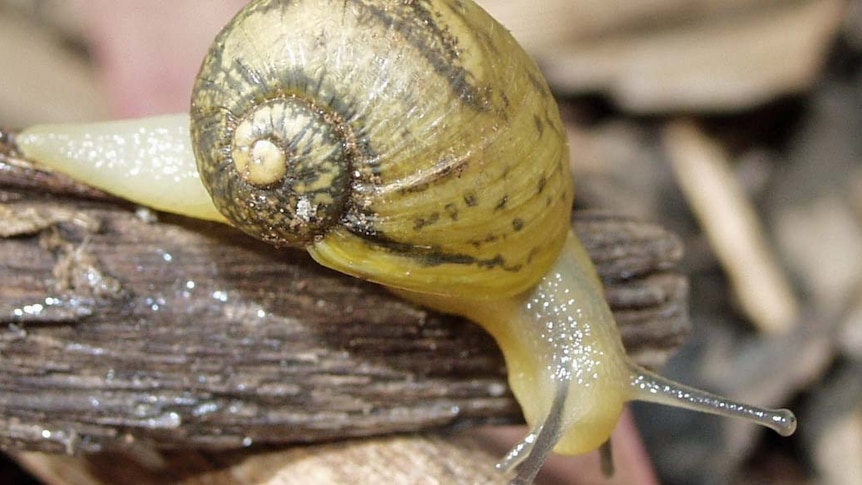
{"x": 651, "y": 387}
{"x": 530, "y": 453}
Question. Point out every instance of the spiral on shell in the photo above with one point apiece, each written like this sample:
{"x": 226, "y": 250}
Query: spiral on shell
{"x": 287, "y": 165}
{"x": 380, "y": 135}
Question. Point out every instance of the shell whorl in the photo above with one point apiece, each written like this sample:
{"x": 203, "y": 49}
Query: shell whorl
{"x": 443, "y": 168}
{"x": 272, "y": 148}
{"x": 289, "y": 164}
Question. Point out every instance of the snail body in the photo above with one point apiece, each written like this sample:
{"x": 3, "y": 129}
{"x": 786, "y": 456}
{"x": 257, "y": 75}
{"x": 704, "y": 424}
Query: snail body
{"x": 412, "y": 144}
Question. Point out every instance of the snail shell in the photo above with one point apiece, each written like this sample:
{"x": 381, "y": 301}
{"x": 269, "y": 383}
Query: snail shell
{"x": 413, "y": 144}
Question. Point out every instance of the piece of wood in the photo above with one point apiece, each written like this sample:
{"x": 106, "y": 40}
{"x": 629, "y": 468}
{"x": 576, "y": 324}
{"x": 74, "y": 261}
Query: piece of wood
{"x": 124, "y": 332}
{"x": 733, "y": 227}
{"x": 397, "y": 460}
{"x": 465, "y": 457}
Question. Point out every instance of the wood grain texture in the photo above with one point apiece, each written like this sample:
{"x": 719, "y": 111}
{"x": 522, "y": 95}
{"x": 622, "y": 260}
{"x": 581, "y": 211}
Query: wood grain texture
{"x": 402, "y": 460}
{"x": 124, "y": 332}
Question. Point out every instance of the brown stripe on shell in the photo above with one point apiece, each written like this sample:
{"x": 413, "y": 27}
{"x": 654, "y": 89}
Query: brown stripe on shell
{"x": 416, "y": 22}
{"x": 434, "y": 256}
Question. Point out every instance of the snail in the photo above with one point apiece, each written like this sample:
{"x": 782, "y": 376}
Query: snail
{"x": 412, "y": 144}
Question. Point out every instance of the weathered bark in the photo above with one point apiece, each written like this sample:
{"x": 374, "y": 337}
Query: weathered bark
{"x": 396, "y": 460}
{"x": 466, "y": 457}
{"x": 121, "y": 331}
